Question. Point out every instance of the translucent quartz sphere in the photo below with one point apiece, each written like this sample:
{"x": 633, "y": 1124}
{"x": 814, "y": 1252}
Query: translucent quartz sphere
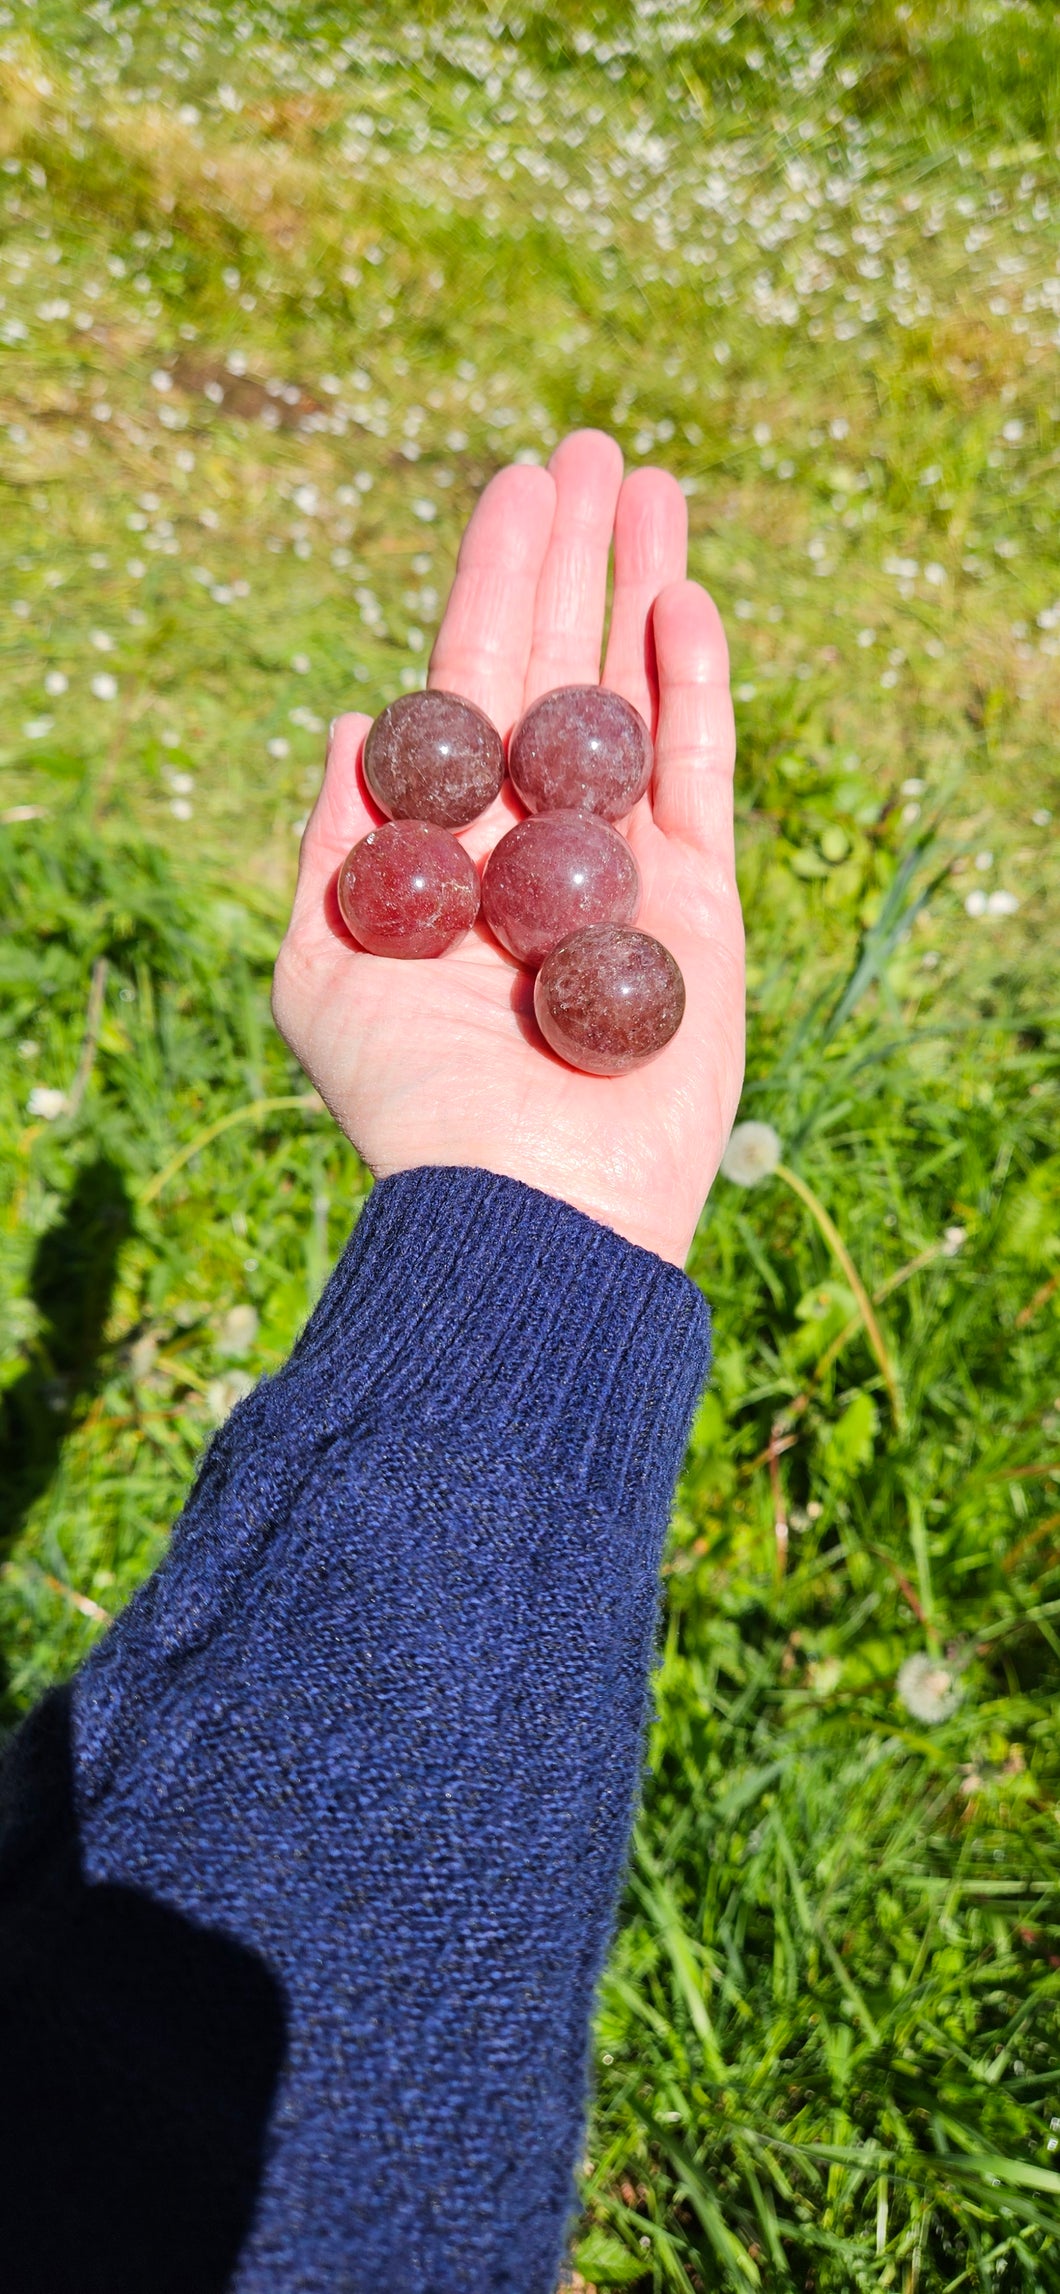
{"x": 553, "y": 874}
{"x": 608, "y": 999}
{"x": 432, "y": 756}
{"x": 581, "y": 749}
{"x": 408, "y": 889}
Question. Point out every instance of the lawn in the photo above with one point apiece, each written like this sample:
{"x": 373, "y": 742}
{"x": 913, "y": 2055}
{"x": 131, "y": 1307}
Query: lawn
{"x": 279, "y": 288}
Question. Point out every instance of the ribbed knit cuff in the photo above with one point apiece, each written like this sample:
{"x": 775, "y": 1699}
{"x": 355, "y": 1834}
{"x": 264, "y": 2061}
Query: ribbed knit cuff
{"x": 466, "y": 1301}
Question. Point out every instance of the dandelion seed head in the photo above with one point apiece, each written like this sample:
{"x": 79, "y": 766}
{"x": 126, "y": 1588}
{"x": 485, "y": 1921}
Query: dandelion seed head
{"x": 929, "y": 1688}
{"x": 46, "y": 1102}
{"x": 753, "y": 1153}
{"x": 238, "y": 1330}
{"x": 222, "y": 1394}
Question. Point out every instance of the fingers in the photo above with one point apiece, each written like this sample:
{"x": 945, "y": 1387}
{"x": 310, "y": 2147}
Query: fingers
{"x": 483, "y": 645}
{"x": 651, "y": 544}
{"x": 572, "y": 591}
{"x": 341, "y": 815}
{"x": 695, "y": 743}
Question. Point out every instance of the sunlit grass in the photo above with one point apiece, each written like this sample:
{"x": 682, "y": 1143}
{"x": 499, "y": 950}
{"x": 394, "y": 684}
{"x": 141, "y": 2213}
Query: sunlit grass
{"x": 280, "y": 289}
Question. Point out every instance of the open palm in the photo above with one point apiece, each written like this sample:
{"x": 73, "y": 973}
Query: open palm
{"x": 440, "y": 1062}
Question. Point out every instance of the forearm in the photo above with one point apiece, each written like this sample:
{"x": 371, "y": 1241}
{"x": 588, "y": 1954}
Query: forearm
{"x": 376, "y": 1723}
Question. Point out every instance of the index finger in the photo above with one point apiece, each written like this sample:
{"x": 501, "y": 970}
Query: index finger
{"x": 483, "y": 645}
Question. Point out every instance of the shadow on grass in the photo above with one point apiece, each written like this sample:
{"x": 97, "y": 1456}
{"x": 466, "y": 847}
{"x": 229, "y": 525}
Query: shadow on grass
{"x": 139, "y": 2052}
{"x": 71, "y": 1284}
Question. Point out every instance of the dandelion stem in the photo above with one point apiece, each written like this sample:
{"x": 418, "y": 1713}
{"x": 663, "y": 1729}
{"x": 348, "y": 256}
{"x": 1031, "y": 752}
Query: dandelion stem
{"x": 893, "y": 1282}
{"x": 254, "y": 1112}
{"x": 837, "y": 1246}
{"x": 919, "y": 1543}
{"x": 90, "y": 1040}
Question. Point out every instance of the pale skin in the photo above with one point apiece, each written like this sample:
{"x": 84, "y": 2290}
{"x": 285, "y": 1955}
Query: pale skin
{"x": 439, "y": 1061}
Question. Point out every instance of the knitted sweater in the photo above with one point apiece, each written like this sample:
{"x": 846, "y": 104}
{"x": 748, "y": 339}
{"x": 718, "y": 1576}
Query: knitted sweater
{"x": 306, "y": 1882}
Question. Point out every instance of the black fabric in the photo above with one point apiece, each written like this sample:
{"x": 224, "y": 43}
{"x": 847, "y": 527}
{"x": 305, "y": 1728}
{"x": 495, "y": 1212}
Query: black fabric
{"x": 139, "y": 2055}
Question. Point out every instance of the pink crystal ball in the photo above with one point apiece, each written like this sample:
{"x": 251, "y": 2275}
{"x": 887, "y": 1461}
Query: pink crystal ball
{"x": 553, "y": 874}
{"x": 608, "y": 999}
{"x": 408, "y": 889}
{"x": 433, "y": 757}
{"x": 581, "y": 749}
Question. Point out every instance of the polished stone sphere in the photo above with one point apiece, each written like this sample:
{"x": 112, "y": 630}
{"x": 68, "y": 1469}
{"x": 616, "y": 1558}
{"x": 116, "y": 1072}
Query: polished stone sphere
{"x": 609, "y": 999}
{"x": 408, "y": 889}
{"x": 581, "y": 749}
{"x": 433, "y": 757}
{"x": 553, "y": 874}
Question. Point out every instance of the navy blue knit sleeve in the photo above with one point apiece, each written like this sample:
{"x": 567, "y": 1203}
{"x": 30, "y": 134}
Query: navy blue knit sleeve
{"x": 376, "y": 1723}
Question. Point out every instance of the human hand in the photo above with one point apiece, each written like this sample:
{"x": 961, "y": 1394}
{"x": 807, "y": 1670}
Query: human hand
{"x": 440, "y": 1062}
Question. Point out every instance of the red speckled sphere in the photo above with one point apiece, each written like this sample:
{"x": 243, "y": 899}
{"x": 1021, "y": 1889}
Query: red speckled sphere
{"x": 551, "y": 875}
{"x": 408, "y": 889}
{"x": 581, "y": 749}
{"x": 608, "y": 999}
{"x": 433, "y": 757}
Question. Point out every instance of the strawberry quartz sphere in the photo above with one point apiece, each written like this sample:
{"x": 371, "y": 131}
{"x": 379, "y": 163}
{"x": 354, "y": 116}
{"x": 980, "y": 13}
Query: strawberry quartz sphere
{"x": 581, "y": 749}
{"x": 408, "y": 889}
{"x": 433, "y": 757}
{"x": 553, "y": 874}
{"x": 608, "y": 999}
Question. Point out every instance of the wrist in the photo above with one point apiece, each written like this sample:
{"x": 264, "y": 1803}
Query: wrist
{"x": 477, "y": 1305}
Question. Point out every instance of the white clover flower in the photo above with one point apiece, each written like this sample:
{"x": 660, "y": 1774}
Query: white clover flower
{"x": 953, "y": 1240}
{"x": 46, "y": 1102}
{"x": 928, "y": 1687}
{"x": 105, "y": 687}
{"x": 753, "y": 1153}
{"x": 1001, "y": 903}
{"x": 55, "y": 683}
{"x": 975, "y": 904}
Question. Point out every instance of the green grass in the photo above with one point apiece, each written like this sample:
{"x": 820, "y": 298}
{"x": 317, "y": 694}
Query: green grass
{"x": 806, "y": 255}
